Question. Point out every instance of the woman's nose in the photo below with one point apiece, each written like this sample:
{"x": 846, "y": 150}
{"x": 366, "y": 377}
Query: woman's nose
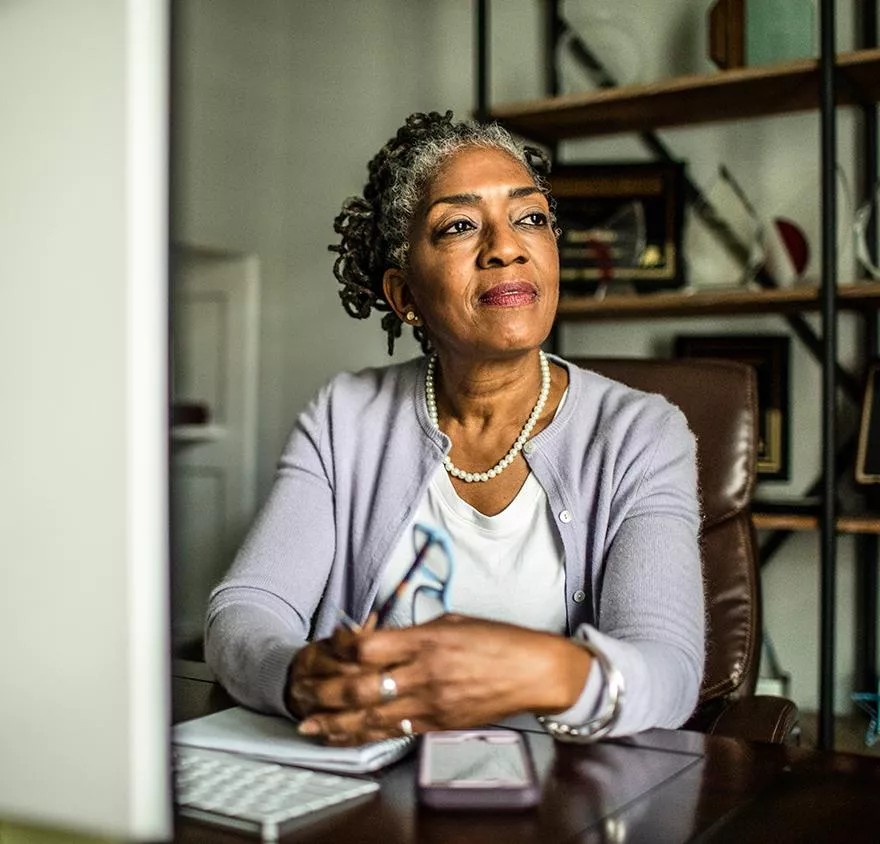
{"x": 501, "y": 246}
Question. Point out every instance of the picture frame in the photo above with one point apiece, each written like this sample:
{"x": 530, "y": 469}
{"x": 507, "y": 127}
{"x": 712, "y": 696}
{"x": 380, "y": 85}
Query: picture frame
{"x": 621, "y": 226}
{"x": 770, "y": 355}
{"x": 867, "y": 468}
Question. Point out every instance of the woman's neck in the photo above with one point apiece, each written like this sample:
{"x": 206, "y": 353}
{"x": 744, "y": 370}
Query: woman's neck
{"x": 475, "y": 393}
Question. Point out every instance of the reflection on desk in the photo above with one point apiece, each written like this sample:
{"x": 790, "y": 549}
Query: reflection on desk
{"x": 659, "y": 786}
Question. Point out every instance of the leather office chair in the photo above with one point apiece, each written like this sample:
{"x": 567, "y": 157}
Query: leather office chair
{"x": 719, "y": 399}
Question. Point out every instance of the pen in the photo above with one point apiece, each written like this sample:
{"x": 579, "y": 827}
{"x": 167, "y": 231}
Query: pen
{"x": 348, "y": 621}
{"x": 398, "y": 591}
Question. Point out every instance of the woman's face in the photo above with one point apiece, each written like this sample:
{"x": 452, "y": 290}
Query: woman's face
{"x": 483, "y": 270}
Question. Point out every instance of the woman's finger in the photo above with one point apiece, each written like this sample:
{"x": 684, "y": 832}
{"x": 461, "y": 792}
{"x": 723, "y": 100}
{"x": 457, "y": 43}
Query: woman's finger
{"x": 404, "y": 644}
{"x": 367, "y": 688}
{"x": 370, "y": 724}
{"x": 321, "y": 661}
{"x": 370, "y": 734}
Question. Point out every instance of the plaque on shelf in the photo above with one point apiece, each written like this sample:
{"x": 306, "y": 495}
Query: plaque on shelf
{"x": 769, "y": 355}
{"x": 868, "y": 455}
{"x": 621, "y": 226}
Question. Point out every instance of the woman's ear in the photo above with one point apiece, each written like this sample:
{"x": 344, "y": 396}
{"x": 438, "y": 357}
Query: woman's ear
{"x": 399, "y": 296}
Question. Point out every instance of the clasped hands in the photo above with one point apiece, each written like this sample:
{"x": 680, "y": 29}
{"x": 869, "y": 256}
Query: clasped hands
{"x": 452, "y": 673}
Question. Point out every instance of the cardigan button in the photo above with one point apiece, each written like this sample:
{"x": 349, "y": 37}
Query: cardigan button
{"x": 565, "y": 517}
{"x": 580, "y": 596}
{"x": 529, "y": 448}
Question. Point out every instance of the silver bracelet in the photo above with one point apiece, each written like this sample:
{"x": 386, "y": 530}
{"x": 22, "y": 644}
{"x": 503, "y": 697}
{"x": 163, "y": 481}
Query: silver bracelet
{"x": 602, "y": 724}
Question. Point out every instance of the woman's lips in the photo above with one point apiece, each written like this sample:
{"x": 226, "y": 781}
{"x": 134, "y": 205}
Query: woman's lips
{"x": 509, "y": 295}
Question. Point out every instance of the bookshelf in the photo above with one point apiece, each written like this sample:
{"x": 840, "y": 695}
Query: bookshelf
{"x": 843, "y": 79}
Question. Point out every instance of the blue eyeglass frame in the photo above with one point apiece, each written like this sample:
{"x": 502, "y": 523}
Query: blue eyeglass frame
{"x": 433, "y": 536}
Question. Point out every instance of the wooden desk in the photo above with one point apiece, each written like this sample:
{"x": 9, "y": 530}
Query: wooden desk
{"x": 725, "y": 790}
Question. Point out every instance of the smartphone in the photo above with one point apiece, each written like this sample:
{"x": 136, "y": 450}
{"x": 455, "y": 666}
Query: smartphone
{"x": 477, "y": 769}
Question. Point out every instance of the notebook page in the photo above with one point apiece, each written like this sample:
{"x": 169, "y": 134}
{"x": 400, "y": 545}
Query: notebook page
{"x": 273, "y": 738}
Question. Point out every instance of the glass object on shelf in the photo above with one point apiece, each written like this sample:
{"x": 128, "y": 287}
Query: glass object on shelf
{"x": 863, "y": 219}
{"x": 727, "y": 215}
{"x": 776, "y": 247}
{"x": 619, "y": 242}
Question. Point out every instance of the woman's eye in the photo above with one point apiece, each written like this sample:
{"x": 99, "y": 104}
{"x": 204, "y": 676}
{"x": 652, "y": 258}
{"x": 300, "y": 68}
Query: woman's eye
{"x": 458, "y": 227}
{"x": 534, "y": 218}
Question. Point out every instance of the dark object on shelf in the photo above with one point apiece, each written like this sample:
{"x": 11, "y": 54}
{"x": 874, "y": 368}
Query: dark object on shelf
{"x": 868, "y": 455}
{"x": 190, "y": 413}
{"x": 727, "y": 37}
{"x": 621, "y": 225}
{"x": 769, "y": 354}
{"x": 718, "y": 400}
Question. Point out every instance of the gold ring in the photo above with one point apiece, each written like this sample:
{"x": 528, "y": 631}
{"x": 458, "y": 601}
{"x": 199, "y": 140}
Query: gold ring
{"x": 387, "y": 688}
{"x": 406, "y": 727}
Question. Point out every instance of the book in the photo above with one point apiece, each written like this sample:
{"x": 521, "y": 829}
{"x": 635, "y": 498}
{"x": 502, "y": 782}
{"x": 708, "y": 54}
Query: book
{"x": 275, "y": 739}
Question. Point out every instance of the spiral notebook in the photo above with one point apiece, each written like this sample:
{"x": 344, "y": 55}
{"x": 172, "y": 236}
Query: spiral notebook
{"x": 275, "y": 739}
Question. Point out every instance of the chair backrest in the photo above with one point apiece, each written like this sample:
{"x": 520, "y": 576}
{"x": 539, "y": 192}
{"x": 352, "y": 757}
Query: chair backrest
{"x": 719, "y": 400}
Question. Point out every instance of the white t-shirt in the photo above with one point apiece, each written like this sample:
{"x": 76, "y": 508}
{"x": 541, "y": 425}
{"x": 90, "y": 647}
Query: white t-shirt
{"x": 507, "y": 567}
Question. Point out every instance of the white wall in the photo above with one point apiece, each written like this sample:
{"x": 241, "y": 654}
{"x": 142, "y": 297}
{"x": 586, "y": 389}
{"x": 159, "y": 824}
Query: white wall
{"x": 83, "y": 311}
{"x": 282, "y": 104}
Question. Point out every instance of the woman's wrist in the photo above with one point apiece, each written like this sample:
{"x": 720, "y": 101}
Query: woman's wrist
{"x": 290, "y": 701}
{"x": 601, "y": 724}
{"x": 567, "y": 669}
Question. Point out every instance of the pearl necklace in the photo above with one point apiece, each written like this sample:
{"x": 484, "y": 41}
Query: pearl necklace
{"x": 504, "y": 462}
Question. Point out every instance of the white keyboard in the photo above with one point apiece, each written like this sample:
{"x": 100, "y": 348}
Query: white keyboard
{"x": 254, "y": 796}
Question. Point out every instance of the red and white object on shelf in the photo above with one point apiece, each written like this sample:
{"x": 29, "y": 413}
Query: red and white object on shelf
{"x": 786, "y": 251}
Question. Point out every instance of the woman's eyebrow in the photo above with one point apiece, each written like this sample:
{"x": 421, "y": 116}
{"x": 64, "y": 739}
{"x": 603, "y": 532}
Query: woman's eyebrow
{"x": 528, "y": 190}
{"x": 475, "y": 198}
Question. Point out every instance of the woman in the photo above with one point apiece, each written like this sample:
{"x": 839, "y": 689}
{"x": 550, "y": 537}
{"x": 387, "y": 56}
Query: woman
{"x": 570, "y": 499}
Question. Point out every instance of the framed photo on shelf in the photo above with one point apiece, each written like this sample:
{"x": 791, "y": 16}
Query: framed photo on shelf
{"x": 621, "y": 225}
{"x": 769, "y": 354}
{"x": 868, "y": 454}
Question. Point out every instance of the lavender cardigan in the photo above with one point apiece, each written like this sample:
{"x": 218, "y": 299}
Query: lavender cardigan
{"x": 618, "y": 468}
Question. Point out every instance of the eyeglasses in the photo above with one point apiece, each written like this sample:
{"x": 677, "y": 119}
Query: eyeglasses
{"x": 429, "y": 575}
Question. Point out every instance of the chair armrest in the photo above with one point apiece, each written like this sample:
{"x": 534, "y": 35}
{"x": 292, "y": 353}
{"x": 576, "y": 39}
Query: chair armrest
{"x": 758, "y": 718}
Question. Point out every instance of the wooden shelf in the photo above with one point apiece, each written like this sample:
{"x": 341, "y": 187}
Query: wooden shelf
{"x": 689, "y": 100}
{"x": 799, "y": 521}
{"x": 862, "y": 296}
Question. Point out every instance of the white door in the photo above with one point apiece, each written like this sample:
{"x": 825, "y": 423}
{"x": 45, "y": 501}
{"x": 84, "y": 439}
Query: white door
{"x": 215, "y": 327}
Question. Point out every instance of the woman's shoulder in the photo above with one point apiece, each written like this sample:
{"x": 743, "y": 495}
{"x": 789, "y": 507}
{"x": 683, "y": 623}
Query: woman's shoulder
{"x": 623, "y": 423}
{"x": 615, "y": 412}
